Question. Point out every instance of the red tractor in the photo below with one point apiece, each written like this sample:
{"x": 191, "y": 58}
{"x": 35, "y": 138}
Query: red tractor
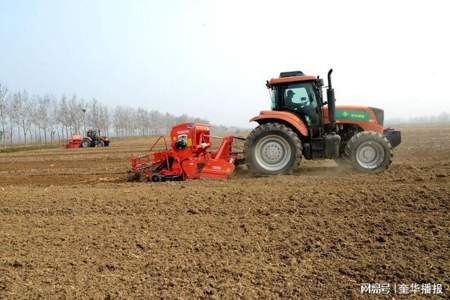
{"x": 303, "y": 124}
{"x": 92, "y": 139}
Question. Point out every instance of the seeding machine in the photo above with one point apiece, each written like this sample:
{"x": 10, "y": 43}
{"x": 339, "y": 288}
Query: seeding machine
{"x": 188, "y": 156}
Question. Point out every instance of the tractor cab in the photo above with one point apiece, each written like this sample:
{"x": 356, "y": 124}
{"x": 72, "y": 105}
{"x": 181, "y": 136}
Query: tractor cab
{"x": 93, "y": 133}
{"x": 299, "y": 94}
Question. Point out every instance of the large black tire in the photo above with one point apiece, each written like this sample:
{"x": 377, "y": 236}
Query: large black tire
{"x": 86, "y": 143}
{"x": 369, "y": 152}
{"x": 100, "y": 144}
{"x": 272, "y": 149}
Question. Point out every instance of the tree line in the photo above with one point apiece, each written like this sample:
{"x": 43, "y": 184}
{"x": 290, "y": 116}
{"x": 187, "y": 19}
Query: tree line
{"x": 442, "y": 117}
{"x": 26, "y": 118}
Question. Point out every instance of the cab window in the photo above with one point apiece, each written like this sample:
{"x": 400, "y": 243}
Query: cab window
{"x": 300, "y": 98}
{"x": 300, "y": 95}
{"x": 273, "y": 98}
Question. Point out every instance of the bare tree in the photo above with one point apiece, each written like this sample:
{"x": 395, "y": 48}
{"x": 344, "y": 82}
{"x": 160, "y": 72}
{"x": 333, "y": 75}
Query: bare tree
{"x": 53, "y": 119}
{"x": 34, "y": 117}
{"x": 141, "y": 116}
{"x": 75, "y": 114}
{"x": 116, "y": 121}
{"x": 42, "y": 116}
{"x": 93, "y": 113}
{"x": 63, "y": 117}
{"x": 3, "y": 113}
{"x": 104, "y": 121}
{"x": 24, "y": 108}
{"x": 16, "y": 111}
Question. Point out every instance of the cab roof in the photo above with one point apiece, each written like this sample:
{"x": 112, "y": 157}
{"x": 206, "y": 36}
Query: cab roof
{"x": 291, "y": 79}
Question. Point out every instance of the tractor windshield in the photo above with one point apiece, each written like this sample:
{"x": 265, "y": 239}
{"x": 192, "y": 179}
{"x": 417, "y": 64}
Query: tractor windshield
{"x": 299, "y": 95}
{"x": 301, "y": 98}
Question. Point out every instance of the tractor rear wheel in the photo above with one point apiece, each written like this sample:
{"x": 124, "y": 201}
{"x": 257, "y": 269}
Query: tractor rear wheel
{"x": 272, "y": 149}
{"x": 369, "y": 152}
{"x": 86, "y": 143}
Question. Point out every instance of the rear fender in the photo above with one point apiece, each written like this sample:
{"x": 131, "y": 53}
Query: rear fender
{"x": 283, "y": 117}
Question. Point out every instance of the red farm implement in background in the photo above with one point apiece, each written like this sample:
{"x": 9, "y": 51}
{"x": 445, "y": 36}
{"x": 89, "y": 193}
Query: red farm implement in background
{"x": 187, "y": 157}
{"x": 74, "y": 142}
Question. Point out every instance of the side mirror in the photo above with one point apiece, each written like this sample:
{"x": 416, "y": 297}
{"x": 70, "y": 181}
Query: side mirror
{"x": 320, "y": 82}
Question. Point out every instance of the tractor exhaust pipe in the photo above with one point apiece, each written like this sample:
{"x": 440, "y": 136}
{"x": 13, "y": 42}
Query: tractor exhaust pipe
{"x": 331, "y": 103}
{"x": 332, "y": 139}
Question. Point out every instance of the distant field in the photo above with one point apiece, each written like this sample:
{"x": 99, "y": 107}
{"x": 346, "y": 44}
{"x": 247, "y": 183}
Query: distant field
{"x": 71, "y": 226}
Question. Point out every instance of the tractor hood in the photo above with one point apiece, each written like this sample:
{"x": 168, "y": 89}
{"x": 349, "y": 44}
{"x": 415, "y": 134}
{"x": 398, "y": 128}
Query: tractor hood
{"x": 356, "y": 113}
{"x": 352, "y": 113}
{"x": 368, "y": 118}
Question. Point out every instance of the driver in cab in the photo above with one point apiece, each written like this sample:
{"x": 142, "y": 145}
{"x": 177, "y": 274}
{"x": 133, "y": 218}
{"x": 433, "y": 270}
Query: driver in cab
{"x": 301, "y": 105}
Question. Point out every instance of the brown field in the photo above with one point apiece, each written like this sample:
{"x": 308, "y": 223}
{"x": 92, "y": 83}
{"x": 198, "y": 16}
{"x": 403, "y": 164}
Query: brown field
{"x": 72, "y": 227}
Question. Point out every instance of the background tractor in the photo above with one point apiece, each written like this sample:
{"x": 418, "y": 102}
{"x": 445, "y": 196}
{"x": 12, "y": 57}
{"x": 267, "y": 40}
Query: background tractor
{"x": 94, "y": 139}
{"x": 303, "y": 124}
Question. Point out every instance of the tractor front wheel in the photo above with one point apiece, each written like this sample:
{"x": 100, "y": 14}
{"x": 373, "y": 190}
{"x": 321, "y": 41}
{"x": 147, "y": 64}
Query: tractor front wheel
{"x": 272, "y": 149}
{"x": 369, "y": 152}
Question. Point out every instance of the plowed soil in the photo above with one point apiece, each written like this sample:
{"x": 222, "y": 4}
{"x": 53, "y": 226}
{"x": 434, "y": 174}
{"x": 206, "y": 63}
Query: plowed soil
{"x": 72, "y": 227}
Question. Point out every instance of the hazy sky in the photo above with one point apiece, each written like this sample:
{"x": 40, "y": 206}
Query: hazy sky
{"x": 211, "y": 58}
